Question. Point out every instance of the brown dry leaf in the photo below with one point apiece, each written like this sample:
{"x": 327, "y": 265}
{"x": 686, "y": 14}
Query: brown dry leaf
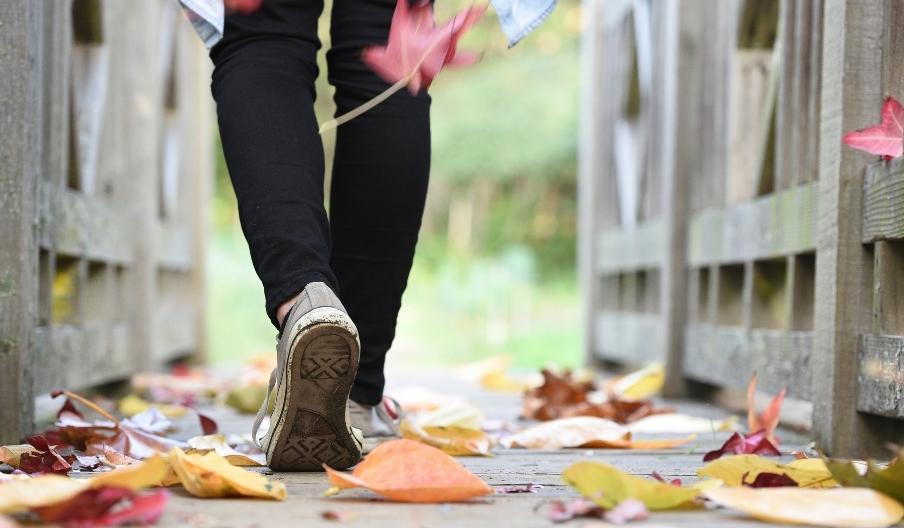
{"x": 12, "y": 454}
{"x": 851, "y": 507}
{"x": 408, "y": 471}
{"x": 564, "y": 395}
{"x": 455, "y": 441}
{"x": 115, "y": 457}
{"x": 211, "y": 475}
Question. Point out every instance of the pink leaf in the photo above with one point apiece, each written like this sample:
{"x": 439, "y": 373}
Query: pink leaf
{"x": 885, "y": 139}
{"x": 108, "y": 506}
{"x": 627, "y": 510}
{"x": 738, "y": 444}
{"x": 771, "y": 414}
{"x": 417, "y": 50}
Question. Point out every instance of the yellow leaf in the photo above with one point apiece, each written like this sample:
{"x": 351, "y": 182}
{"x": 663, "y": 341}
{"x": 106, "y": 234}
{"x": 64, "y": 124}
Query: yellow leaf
{"x": 217, "y": 443}
{"x": 641, "y": 384}
{"x": 151, "y": 472}
{"x": 630, "y": 443}
{"x": 808, "y": 472}
{"x": 132, "y": 405}
{"x": 852, "y": 507}
{"x": 607, "y": 487}
{"x": 211, "y": 475}
{"x": 12, "y": 454}
{"x": 21, "y": 495}
{"x": 455, "y": 441}
{"x": 501, "y": 381}
{"x": 247, "y": 399}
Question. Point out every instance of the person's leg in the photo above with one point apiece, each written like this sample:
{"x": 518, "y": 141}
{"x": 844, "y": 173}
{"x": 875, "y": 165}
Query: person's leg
{"x": 380, "y": 172}
{"x": 263, "y": 83}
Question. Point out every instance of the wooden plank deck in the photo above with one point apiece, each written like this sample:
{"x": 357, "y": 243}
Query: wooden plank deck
{"x": 306, "y": 503}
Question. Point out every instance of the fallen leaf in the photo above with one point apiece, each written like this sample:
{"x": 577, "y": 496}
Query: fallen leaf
{"x": 641, "y": 384}
{"x": 888, "y": 480}
{"x": 115, "y": 457}
{"x": 208, "y": 425}
{"x": 607, "y": 486}
{"x": 218, "y": 444}
{"x": 770, "y": 480}
{"x": 106, "y": 507}
{"x": 12, "y": 454}
{"x": 630, "y": 443}
{"x": 627, "y": 511}
{"x": 417, "y": 50}
{"x": 454, "y": 414}
{"x": 564, "y": 395}
{"x": 885, "y": 139}
{"x": 152, "y": 472}
{"x": 455, "y": 441}
{"x": 567, "y": 432}
{"x": 561, "y": 511}
{"x": 526, "y": 488}
{"x": 247, "y": 399}
{"x": 768, "y": 420}
{"x": 502, "y": 381}
{"x": 850, "y": 507}
{"x": 21, "y": 495}
{"x": 133, "y": 404}
{"x": 674, "y": 423}
{"x": 211, "y": 475}
{"x": 338, "y": 516}
{"x": 738, "y": 444}
{"x": 807, "y": 473}
{"x": 43, "y": 459}
{"x": 150, "y": 421}
{"x": 408, "y": 471}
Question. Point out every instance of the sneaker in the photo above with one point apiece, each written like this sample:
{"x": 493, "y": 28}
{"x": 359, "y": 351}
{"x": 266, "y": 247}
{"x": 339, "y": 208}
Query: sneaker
{"x": 376, "y": 422}
{"x": 304, "y": 422}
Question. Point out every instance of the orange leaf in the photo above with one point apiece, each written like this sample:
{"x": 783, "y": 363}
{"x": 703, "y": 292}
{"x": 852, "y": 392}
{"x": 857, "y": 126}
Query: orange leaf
{"x": 771, "y": 414}
{"x": 408, "y": 471}
{"x": 628, "y": 443}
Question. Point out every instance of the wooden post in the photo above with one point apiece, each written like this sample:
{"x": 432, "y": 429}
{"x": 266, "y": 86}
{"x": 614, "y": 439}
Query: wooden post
{"x": 589, "y": 164}
{"x": 20, "y": 163}
{"x": 850, "y": 98}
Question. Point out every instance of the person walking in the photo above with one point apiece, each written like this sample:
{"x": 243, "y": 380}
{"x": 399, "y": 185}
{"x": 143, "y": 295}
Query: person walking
{"x": 333, "y": 286}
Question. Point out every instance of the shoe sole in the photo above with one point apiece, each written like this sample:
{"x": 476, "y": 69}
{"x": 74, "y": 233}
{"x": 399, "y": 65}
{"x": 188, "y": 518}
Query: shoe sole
{"x": 311, "y": 428}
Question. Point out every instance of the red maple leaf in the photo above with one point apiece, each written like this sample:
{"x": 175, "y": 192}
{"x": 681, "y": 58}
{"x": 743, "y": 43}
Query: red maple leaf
{"x": 738, "y": 444}
{"x": 417, "y": 50}
{"x": 107, "y": 506}
{"x": 771, "y": 415}
{"x": 885, "y": 139}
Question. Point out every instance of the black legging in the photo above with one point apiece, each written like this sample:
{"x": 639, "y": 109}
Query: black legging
{"x": 263, "y": 83}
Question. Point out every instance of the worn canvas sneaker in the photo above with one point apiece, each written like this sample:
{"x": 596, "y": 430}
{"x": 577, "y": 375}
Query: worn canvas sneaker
{"x": 304, "y": 421}
{"x": 378, "y": 423}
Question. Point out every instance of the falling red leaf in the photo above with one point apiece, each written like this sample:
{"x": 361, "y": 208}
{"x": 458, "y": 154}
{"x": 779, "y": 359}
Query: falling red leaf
{"x": 417, "y": 50}
{"x": 738, "y": 444}
{"x": 770, "y": 480}
{"x": 771, "y": 415}
{"x": 107, "y": 506}
{"x": 45, "y": 459}
{"x": 244, "y": 7}
{"x": 885, "y": 139}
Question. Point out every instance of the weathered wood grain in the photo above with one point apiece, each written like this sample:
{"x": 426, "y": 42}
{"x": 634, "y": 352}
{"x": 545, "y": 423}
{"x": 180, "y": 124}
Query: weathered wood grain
{"x": 629, "y": 338}
{"x": 631, "y": 249}
{"x": 881, "y": 376}
{"x": 850, "y": 99}
{"x": 728, "y": 356}
{"x": 20, "y": 162}
{"x": 883, "y": 201}
{"x": 772, "y": 226}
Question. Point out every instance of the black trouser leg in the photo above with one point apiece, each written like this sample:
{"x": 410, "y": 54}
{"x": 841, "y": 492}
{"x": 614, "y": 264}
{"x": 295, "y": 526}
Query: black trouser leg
{"x": 263, "y": 83}
{"x": 380, "y": 173}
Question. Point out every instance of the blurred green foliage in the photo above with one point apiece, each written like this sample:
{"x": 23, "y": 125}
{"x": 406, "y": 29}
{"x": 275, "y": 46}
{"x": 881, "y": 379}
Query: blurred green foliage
{"x": 495, "y": 268}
